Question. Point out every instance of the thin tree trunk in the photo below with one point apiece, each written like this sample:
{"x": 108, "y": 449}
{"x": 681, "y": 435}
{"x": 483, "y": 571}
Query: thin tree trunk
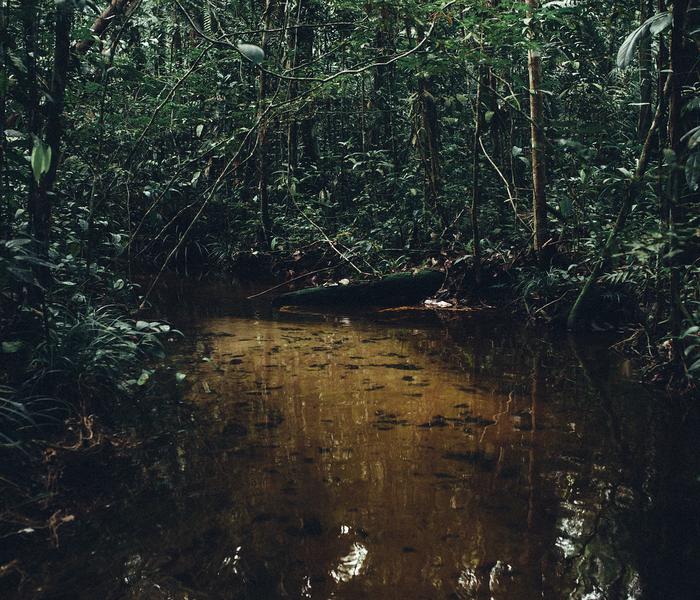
{"x": 429, "y": 142}
{"x": 476, "y": 175}
{"x": 40, "y": 194}
{"x": 262, "y": 158}
{"x": 306, "y": 38}
{"x": 4, "y": 198}
{"x": 662, "y": 75}
{"x": 537, "y": 140}
{"x": 380, "y": 133}
{"x": 681, "y": 64}
{"x": 102, "y": 23}
{"x": 574, "y": 320}
{"x": 29, "y": 25}
{"x": 293, "y": 90}
{"x": 646, "y": 86}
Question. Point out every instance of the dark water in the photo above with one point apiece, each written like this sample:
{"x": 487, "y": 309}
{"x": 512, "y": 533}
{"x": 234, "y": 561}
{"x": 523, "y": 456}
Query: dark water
{"x": 397, "y": 456}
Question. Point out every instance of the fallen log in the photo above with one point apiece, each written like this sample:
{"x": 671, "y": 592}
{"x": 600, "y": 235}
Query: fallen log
{"x": 393, "y": 290}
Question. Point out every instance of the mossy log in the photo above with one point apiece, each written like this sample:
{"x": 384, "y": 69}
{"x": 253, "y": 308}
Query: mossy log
{"x": 393, "y": 290}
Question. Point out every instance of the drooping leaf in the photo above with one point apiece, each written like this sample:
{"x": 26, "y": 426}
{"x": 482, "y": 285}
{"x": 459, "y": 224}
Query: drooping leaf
{"x": 692, "y": 171}
{"x": 40, "y": 159}
{"x": 654, "y": 25}
{"x": 692, "y": 137}
{"x": 253, "y": 53}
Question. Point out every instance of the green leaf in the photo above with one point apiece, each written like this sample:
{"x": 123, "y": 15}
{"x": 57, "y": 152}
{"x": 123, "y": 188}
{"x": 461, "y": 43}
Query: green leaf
{"x": 692, "y": 137}
{"x": 11, "y": 347}
{"x": 143, "y": 378}
{"x": 656, "y": 25}
{"x": 253, "y": 53}
{"x": 692, "y": 171}
{"x": 180, "y": 377}
{"x": 40, "y": 159}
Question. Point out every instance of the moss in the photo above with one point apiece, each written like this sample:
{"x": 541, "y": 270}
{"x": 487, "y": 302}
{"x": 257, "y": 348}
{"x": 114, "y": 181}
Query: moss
{"x": 393, "y": 290}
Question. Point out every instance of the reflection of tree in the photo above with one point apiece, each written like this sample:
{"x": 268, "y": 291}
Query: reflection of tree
{"x": 641, "y": 538}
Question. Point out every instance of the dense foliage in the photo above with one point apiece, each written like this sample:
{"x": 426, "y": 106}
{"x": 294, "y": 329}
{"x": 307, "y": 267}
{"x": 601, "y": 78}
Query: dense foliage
{"x": 552, "y": 151}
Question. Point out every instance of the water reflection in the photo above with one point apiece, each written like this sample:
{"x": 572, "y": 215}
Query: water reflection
{"x": 345, "y": 459}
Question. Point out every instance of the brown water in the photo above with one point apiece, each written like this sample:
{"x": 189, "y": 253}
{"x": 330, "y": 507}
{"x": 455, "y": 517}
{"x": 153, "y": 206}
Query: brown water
{"x": 391, "y": 457}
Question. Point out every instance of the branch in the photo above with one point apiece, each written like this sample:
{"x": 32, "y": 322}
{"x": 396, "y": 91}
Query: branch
{"x": 225, "y": 42}
{"x": 102, "y": 23}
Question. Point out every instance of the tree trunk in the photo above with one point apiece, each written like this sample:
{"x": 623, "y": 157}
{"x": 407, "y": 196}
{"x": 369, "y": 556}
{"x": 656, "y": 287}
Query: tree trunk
{"x": 476, "y": 174}
{"x": 306, "y": 38}
{"x": 392, "y": 290}
{"x": 646, "y": 86}
{"x": 634, "y": 186}
{"x": 31, "y": 107}
{"x": 293, "y": 19}
{"x": 661, "y": 192}
{"x": 4, "y": 84}
{"x": 41, "y": 193}
{"x": 381, "y": 131}
{"x": 262, "y": 158}
{"x": 537, "y": 139}
{"x": 681, "y": 65}
{"x": 102, "y": 23}
{"x": 429, "y": 143}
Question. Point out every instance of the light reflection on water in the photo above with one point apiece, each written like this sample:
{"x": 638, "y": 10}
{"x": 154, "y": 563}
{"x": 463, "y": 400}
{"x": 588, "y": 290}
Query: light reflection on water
{"x": 345, "y": 459}
{"x": 439, "y": 480}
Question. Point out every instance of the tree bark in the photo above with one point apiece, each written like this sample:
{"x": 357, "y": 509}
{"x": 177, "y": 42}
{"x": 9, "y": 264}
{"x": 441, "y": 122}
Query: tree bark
{"x": 646, "y": 86}
{"x": 381, "y": 132}
{"x": 292, "y": 61}
{"x": 4, "y": 85}
{"x": 262, "y": 158}
{"x": 476, "y": 174}
{"x": 537, "y": 140}
{"x": 31, "y": 102}
{"x": 40, "y": 194}
{"x": 681, "y": 66}
{"x": 306, "y": 38}
{"x": 102, "y": 23}
{"x": 429, "y": 142}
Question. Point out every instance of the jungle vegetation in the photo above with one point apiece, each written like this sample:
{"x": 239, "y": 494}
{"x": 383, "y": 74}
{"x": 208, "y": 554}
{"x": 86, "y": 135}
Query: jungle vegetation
{"x": 547, "y": 154}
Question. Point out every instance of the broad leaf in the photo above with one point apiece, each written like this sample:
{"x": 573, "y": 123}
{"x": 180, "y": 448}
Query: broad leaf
{"x": 40, "y": 159}
{"x": 656, "y": 25}
{"x": 692, "y": 171}
{"x": 253, "y": 53}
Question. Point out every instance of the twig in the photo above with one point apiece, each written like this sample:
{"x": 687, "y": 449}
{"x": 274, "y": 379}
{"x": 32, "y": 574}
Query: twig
{"x": 351, "y": 71}
{"x": 505, "y": 181}
{"x": 160, "y": 107}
